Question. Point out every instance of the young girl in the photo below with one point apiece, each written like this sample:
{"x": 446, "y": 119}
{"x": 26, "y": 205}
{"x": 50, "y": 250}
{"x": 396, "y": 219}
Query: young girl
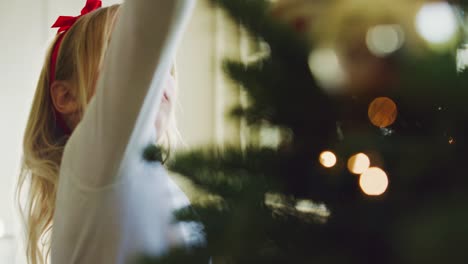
{"x": 105, "y": 93}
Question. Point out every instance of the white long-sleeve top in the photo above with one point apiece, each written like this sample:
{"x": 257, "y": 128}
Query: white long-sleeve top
{"x": 111, "y": 204}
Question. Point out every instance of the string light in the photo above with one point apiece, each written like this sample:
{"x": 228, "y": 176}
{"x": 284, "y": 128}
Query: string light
{"x": 358, "y": 163}
{"x": 327, "y": 159}
{"x": 436, "y": 22}
{"x": 374, "y": 181}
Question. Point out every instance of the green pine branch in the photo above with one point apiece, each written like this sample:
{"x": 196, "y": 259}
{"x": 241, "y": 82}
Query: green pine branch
{"x": 269, "y": 200}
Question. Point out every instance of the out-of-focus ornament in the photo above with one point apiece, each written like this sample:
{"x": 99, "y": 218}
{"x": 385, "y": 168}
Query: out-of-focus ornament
{"x": 358, "y": 163}
{"x": 327, "y": 159}
{"x": 382, "y": 112}
{"x": 374, "y": 181}
{"x": 383, "y": 40}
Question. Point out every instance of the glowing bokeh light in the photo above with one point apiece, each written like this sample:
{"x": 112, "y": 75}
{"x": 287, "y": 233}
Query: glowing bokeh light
{"x": 383, "y": 40}
{"x": 436, "y": 22}
{"x": 382, "y": 112}
{"x": 374, "y": 181}
{"x": 358, "y": 163}
{"x": 326, "y": 68}
{"x": 327, "y": 159}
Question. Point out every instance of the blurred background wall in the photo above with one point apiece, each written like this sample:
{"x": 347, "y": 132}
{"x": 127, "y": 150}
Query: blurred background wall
{"x": 25, "y": 34}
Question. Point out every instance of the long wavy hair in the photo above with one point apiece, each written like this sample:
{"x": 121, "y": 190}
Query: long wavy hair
{"x": 80, "y": 56}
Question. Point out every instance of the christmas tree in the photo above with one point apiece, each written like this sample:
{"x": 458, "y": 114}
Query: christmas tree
{"x": 370, "y": 167}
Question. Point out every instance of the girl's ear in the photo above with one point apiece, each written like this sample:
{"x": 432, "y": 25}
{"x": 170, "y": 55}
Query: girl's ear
{"x": 63, "y": 98}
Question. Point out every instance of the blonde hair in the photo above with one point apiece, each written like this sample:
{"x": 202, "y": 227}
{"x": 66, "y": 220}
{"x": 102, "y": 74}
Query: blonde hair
{"x": 80, "y": 56}
{"x": 171, "y": 137}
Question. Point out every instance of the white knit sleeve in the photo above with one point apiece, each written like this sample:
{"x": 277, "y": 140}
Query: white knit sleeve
{"x": 119, "y": 120}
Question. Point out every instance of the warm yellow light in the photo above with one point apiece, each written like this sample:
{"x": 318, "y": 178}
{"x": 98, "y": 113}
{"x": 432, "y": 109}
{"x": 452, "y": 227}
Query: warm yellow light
{"x": 383, "y": 112}
{"x": 374, "y": 181}
{"x": 327, "y": 159}
{"x": 358, "y": 163}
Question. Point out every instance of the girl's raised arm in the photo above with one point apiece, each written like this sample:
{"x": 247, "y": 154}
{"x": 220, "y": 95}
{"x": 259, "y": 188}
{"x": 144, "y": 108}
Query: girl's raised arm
{"x": 119, "y": 120}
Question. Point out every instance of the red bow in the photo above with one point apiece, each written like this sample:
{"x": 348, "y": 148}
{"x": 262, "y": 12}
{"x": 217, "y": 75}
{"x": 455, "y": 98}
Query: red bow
{"x": 66, "y": 22}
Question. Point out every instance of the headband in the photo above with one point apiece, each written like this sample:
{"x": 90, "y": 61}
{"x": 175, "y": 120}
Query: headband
{"x": 64, "y": 23}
